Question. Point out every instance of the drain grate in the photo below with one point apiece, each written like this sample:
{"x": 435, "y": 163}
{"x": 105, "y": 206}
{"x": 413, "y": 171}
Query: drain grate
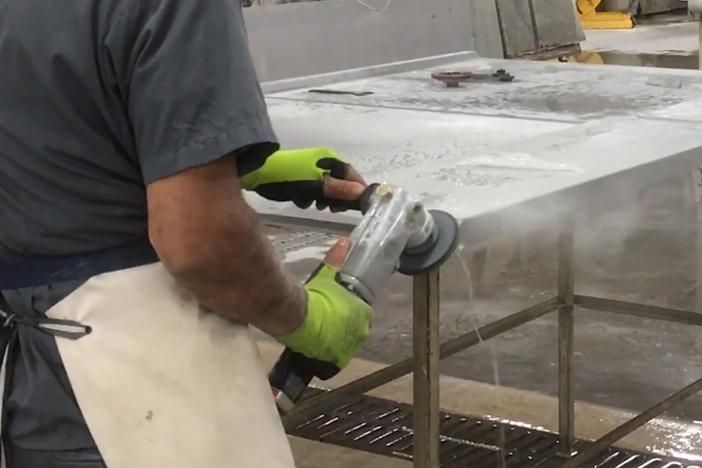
{"x": 384, "y": 427}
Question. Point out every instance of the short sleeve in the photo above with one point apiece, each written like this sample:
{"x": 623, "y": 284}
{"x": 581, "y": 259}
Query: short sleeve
{"x": 186, "y": 78}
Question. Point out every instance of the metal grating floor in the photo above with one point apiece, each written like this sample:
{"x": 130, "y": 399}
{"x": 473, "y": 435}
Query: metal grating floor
{"x": 385, "y": 427}
{"x": 287, "y": 239}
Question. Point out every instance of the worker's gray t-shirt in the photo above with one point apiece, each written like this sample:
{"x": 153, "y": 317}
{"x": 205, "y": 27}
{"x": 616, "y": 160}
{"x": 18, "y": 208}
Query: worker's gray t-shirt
{"x": 97, "y": 99}
{"x": 100, "y": 97}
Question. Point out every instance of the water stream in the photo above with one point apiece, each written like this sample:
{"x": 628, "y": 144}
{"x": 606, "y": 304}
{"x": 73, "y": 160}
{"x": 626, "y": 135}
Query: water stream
{"x": 490, "y": 345}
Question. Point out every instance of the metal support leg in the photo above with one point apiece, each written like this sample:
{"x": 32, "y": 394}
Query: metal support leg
{"x": 566, "y": 296}
{"x": 697, "y": 191}
{"x": 426, "y": 370}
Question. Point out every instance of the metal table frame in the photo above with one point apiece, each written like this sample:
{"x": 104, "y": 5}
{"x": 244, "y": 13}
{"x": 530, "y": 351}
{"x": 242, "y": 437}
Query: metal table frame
{"x": 428, "y": 351}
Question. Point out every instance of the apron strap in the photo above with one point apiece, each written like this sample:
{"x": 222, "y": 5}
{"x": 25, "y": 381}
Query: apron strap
{"x": 69, "y": 329}
{"x": 8, "y": 340}
{"x": 30, "y": 272}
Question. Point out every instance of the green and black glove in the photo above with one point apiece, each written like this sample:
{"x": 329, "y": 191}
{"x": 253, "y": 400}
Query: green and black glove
{"x": 298, "y": 176}
{"x": 337, "y": 321}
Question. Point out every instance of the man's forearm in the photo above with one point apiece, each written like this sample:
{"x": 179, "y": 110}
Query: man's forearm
{"x": 239, "y": 277}
{"x": 209, "y": 239}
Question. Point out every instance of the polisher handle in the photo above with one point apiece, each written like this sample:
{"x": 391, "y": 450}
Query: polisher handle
{"x": 293, "y": 373}
{"x": 362, "y": 204}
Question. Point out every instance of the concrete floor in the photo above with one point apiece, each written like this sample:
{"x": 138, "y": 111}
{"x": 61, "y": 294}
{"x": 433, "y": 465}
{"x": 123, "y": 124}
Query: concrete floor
{"x": 667, "y": 41}
{"x": 673, "y": 34}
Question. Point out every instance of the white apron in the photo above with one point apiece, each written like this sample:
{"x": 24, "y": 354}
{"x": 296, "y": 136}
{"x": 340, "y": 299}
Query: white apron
{"x": 163, "y": 384}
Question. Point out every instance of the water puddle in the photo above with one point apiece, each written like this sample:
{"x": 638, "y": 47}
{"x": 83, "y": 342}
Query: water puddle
{"x": 501, "y": 454}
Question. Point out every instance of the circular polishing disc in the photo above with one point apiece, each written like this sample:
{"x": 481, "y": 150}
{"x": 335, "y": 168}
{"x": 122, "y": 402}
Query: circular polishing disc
{"x": 445, "y": 244}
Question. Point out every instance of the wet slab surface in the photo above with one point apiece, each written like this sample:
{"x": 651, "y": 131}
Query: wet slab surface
{"x": 556, "y": 127}
{"x": 540, "y": 90}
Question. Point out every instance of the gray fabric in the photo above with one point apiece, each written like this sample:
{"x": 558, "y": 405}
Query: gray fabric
{"x": 99, "y": 97}
{"x": 42, "y": 413}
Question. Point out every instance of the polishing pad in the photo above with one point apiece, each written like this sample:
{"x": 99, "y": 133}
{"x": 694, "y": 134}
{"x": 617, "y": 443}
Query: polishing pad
{"x": 444, "y": 244}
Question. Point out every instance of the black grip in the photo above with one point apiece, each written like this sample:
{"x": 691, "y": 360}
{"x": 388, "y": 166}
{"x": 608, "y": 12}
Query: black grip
{"x": 362, "y": 204}
{"x": 293, "y": 372}
{"x": 321, "y": 369}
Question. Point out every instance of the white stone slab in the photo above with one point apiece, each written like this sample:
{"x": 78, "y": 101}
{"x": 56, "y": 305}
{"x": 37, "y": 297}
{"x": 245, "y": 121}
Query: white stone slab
{"x": 487, "y": 148}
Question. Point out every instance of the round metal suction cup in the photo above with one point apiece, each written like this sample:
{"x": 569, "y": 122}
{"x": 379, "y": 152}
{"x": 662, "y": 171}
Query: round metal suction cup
{"x": 452, "y": 79}
{"x": 444, "y": 245}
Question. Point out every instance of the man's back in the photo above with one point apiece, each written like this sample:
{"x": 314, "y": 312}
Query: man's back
{"x": 69, "y": 180}
{"x": 99, "y": 98}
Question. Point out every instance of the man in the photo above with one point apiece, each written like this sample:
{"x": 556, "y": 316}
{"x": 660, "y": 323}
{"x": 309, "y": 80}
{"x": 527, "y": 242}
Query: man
{"x": 130, "y": 263}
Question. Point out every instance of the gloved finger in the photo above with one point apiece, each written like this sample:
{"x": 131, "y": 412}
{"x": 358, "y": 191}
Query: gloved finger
{"x": 345, "y": 190}
{"x": 335, "y": 167}
{"x": 336, "y": 255}
{"x": 322, "y": 205}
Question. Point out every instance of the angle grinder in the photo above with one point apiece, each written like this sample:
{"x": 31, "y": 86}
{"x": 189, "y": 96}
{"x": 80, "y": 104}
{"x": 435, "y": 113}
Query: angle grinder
{"x": 396, "y": 233}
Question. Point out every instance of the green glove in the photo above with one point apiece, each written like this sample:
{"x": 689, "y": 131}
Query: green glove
{"x": 337, "y": 321}
{"x": 297, "y": 176}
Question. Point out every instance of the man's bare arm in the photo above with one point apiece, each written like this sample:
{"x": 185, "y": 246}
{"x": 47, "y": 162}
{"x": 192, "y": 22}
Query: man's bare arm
{"x": 209, "y": 239}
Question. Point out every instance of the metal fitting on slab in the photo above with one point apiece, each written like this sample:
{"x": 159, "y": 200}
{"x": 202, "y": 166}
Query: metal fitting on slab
{"x": 453, "y": 79}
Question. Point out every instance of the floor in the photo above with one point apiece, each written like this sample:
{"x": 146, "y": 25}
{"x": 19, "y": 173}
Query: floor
{"x": 673, "y": 34}
{"x": 623, "y": 364}
{"x": 534, "y": 409}
{"x": 667, "y": 41}
{"x": 665, "y": 436}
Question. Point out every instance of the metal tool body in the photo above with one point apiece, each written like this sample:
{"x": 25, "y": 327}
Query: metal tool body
{"x": 396, "y": 233}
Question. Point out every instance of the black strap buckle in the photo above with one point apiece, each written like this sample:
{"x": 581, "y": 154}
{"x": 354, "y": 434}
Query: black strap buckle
{"x": 61, "y": 328}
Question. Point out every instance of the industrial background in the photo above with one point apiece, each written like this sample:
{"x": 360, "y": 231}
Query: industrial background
{"x": 573, "y": 304}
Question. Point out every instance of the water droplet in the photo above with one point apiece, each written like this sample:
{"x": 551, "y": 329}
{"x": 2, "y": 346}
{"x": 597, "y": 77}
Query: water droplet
{"x": 501, "y": 457}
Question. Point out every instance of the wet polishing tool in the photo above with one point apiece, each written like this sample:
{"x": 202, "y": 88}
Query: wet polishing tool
{"x": 396, "y": 234}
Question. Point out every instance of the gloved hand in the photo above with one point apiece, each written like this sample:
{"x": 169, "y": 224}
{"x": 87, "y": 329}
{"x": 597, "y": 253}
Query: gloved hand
{"x": 337, "y": 321}
{"x": 304, "y": 176}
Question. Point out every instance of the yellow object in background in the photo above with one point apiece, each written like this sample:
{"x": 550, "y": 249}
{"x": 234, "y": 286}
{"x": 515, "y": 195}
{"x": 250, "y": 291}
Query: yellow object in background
{"x": 583, "y": 57}
{"x": 590, "y": 18}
